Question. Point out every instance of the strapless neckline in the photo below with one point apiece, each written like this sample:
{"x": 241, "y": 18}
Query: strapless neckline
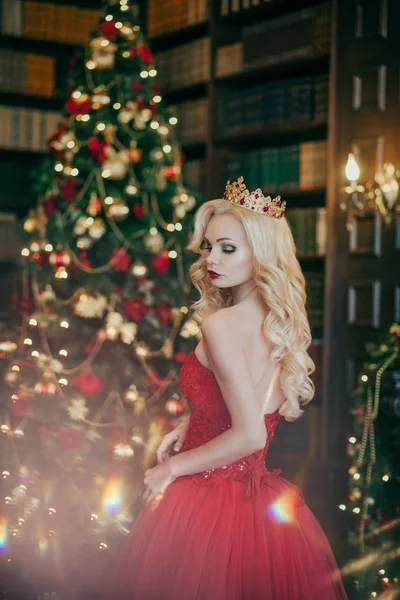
{"x": 266, "y": 415}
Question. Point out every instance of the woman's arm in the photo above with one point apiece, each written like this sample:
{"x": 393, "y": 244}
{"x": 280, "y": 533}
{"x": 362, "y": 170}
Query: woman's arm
{"x": 247, "y": 433}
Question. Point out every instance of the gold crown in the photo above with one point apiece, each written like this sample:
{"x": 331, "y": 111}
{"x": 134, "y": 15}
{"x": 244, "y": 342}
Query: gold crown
{"x": 236, "y": 193}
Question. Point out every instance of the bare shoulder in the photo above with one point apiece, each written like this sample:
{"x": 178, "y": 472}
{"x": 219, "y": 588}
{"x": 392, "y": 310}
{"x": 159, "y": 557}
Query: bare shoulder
{"x": 222, "y": 321}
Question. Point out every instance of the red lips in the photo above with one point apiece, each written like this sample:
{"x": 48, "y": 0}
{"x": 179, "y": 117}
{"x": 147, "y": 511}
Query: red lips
{"x": 213, "y": 274}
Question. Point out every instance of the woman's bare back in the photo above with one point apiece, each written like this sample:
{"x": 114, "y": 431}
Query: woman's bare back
{"x": 249, "y": 318}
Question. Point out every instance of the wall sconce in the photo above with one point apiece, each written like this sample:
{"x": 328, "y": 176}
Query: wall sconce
{"x": 380, "y": 195}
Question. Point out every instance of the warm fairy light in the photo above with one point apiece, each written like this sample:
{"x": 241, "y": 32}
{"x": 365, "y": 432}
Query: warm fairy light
{"x": 373, "y": 594}
{"x": 154, "y": 124}
{"x": 15, "y": 368}
{"x": 118, "y": 25}
{"x": 167, "y": 148}
{"x": 35, "y": 247}
{"x": 33, "y": 322}
{"x": 101, "y": 126}
{"x": 144, "y": 74}
{"x": 90, "y": 65}
{"x": 52, "y": 511}
{"x": 173, "y": 120}
{"x": 109, "y": 17}
{"x": 382, "y": 572}
{"x": 136, "y": 28}
{"x": 103, "y": 546}
{"x": 21, "y": 521}
{"x": 153, "y": 72}
{"x": 58, "y": 167}
{"x": 61, "y": 273}
{"x": 89, "y": 221}
{"x": 63, "y": 381}
{"x": 64, "y": 324}
{"x": 117, "y": 105}
{"x": 153, "y": 230}
{"x": 172, "y": 254}
{"x": 123, "y": 451}
{"x": 5, "y": 428}
{"x": 25, "y": 252}
{"x": 106, "y": 173}
{"x": 104, "y": 43}
{"x": 131, "y": 189}
{"x": 184, "y": 197}
{"x": 140, "y": 351}
{"x": 170, "y": 227}
{"x": 85, "y": 118}
{"x": 18, "y": 432}
{"x": 385, "y": 478}
{"x": 48, "y": 248}
{"x": 139, "y": 269}
{"x": 124, "y": 7}
{"x": 108, "y": 200}
{"x": 178, "y": 226}
{"x": 163, "y": 130}
{"x": 356, "y": 476}
{"x": 75, "y": 171}
{"x": 7, "y": 499}
{"x": 35, "y": 354}
{"x": 28, "y": 342}
{"x": 5, "y": 474}
{"x": 184, "y": 310}
{"x": 342, "y": 506}
{"x": 352, "y": 440}
{"x": 77, "y": 94}
{"x": 94, "y": 517}
{"x": 63, "y": 352}
{"x": 71, "y": 144}
{"x": 356, "y": 510}
{"x": 78, "y": 117}
{"x": 364, "y": 378}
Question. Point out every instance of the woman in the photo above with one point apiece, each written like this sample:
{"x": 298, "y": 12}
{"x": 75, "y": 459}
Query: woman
{"x": 217, "y": 525}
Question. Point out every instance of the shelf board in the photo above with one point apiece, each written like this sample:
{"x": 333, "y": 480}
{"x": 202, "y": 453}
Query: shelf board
{"x": 179, "y": 37}
{"x": 269, "y": 10}
{"x": 259, "y": 135}
{"x": 189, "y": 92}
{"x": 30, "y": 101}
{"x": 28, "y": 44}
{"x": 312, "y": 65}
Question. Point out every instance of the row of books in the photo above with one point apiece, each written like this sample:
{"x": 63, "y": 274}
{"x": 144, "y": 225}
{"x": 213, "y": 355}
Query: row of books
{"x": 193, "y": 174}
{"x": 185, "y": 65}
{"x": 278, "y": 169}
{"x": 229, "y": 60}
{"x": 26, "y": 128}
{"x": 315, "y": 295}
{"x": 48, "y": 20}
{"x": 283, "y": 102}
{"x": 192, "y": 121}
{"x": 22, "y": 73}
{"x": 226, "y": 7}
{"x": 301, "y": 34}
{"x": 310, "y": 230}
{"x": 165, "y": 16}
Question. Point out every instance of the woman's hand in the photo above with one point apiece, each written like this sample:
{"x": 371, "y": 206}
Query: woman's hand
{"x": 156, "y": 481}
{"x": 172, "y": 441}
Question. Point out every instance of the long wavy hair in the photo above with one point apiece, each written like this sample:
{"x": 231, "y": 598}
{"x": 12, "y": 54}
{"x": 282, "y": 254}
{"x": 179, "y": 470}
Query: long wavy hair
{"x": 281, "y": 286}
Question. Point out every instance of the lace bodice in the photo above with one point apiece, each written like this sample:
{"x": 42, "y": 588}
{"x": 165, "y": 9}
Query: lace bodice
{"x": 210, "y": 417}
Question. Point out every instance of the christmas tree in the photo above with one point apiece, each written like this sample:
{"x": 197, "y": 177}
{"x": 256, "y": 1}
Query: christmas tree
{"x": 374, "y": 450}
{"x": 91, "y": 383}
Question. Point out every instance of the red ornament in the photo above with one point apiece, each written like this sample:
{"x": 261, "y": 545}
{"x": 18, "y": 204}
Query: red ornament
{"x": 120, "y": 260}
{"x": 136, "y": 87}
{"x": 132, "y": 51}
{"x": 109, "y": 30}
{"x": 138, "y": 210}
{"x": 97, "y": 148}
{"x": 136, "y": 309}
{"x": 69, "y": 189}
{"x": 163, "y": 312}
{"x": 51, "y": 206}
{"x": 180, "y": 357}
{"x": 175, "y": 407}
{"x": 59, "y": 258}
{"x": 69, "y": 439}
{"x": 88, "y": 383}
{"x": 45, "y": 387}
{"x": 145, "y": 54}
{"x": 74, "y": 107}
{"x": 161, "y": 263}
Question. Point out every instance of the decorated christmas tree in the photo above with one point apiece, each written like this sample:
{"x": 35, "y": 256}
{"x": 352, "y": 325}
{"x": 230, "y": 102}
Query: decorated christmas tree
{"x": 91, "y": 378}
{"x": 374, "y": 450}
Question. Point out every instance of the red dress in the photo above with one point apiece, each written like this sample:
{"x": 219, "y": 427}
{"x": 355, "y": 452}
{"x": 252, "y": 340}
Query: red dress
{"x": 238, "y": 532}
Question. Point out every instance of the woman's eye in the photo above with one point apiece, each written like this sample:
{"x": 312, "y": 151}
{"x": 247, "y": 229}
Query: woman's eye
{"x": 229, "y": 249}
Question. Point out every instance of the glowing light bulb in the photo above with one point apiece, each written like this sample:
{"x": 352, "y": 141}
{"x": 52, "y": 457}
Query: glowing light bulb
{"x": 352, "y": 169}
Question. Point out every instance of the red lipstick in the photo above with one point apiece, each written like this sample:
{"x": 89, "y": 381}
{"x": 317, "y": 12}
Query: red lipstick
{"x": 213, "y": 274}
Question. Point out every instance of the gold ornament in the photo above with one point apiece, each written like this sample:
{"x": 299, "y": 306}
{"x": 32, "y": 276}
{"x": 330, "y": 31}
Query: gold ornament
{"x": 80, "y": 226}
{"x": 97, "y": 229}
{"x": 116, "y": 166}
{"x": 135, "y": 155}
{"x": 118, "y": 210}
{"x": 91, "y": 306}
{"x": 154, "y": 242}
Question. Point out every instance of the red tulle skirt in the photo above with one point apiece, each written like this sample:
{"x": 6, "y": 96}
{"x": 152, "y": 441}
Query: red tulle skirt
{"x": 218, "y": 542}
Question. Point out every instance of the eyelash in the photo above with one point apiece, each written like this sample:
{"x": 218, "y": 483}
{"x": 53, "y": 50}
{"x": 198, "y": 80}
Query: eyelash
{"x": 208, "y": 248}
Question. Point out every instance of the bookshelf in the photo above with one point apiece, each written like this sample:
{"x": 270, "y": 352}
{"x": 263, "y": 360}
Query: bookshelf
{"x": 249, "y": 57}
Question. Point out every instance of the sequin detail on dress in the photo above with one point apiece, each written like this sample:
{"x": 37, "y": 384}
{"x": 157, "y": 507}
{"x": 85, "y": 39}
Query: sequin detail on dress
{"x": 210, "y": 417}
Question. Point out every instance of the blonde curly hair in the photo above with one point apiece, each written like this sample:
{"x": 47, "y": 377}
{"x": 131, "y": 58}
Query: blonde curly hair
{"x": 281, "y": 285}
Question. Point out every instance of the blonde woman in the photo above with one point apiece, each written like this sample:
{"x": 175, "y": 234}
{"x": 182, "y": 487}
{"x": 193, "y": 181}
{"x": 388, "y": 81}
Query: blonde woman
{"x": 217, "y": 524}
